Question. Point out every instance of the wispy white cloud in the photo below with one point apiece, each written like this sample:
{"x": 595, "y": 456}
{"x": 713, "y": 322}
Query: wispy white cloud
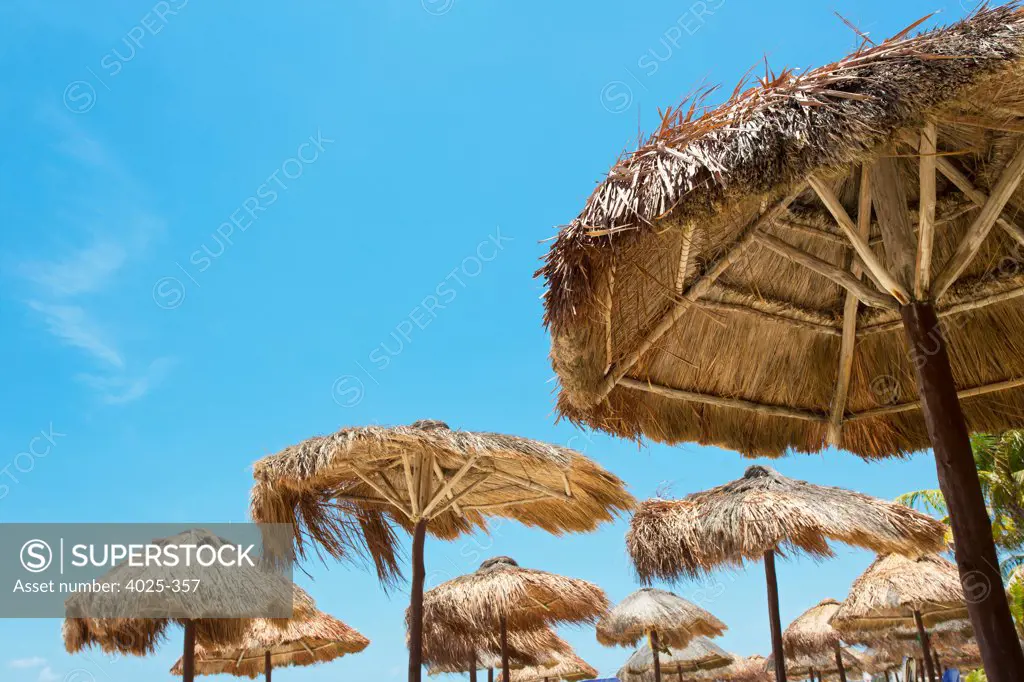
{"x": 47, "y": 675}
{"x": 101, "y": 214}
{"x": 26, "y": 663}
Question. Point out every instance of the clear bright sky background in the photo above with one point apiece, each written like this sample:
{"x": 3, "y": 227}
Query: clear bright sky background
{"x": 168, "y": 359}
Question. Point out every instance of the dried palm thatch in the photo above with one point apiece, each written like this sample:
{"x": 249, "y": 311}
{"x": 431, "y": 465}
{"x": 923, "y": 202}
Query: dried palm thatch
{"x": 699, "y": 655}
{"x": 742, "y": 669}
{"x": 893, "y": 588}
{"x": 315, "y": 638}
{"x": 569, "y": 667}
{"x": 501, "y": 591}
{"x": 102, "y": 618}
{"x": 823, "y": 662}
{"x": 812, "y": 633}
{"x": 765, "y": 511}
{"x": 674, "y": 620}
{"x": 446, "y": 650}
{"x": 680, "y": 309}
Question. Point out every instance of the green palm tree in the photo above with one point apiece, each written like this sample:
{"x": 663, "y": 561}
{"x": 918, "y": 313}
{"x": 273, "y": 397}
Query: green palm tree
{"x": 999, "y": 459}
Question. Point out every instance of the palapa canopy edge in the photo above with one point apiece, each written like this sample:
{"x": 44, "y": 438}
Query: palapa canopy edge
{"x": 675, "y": 620}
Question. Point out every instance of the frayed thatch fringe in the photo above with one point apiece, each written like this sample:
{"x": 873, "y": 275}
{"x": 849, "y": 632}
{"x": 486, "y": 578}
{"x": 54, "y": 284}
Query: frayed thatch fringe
{"x": 812, "y": 633}
{"x": 701, "y": 654}
{"x": 765, "y": 511}
{"x": 451, "y": 651}
{"x": 568, "y": 668}
{"x": 675, "y": 620}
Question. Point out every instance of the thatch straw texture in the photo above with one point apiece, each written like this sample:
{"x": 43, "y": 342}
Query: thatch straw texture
{"x": 447, "y": 650}
{"x": 317, "y": 638}
{"x": 823, "y": 662}
{"x": 699, "y": 655}
{"x": 893, "y": 587}
{"x": 675, "y": 620}
{"x": 345, "y": 491}
{"x": 527, "y": 598}
{"x": 764, "y": 511}
{"x": 748, "y": 669}
{"x": 812, "y": 633}
{"x": 569, "y": 668}
{"x": 223, "y": 591}
{"x": 675, "y": 314}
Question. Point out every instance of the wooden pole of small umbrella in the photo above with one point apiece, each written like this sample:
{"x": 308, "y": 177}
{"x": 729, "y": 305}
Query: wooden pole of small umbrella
{"x": 188, "y": 658}
{"x": 490, "y": 675}
{"x": 938, "y": 664}
{"x": 926, "y": 647}
{"x": 505, "y": 673}
{"x": 961, "y": 488}
{"x": 839, "y": 663}
{"x": 472, "y": 667}
{"x": 416, "y": 602}
{"x": 774, "y": 616}
{"x": 267, "y": 666}
{"x": 653, "y": 641}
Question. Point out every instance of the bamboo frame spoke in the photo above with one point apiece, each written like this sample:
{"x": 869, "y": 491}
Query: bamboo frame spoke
{"x": 867, "y": 256}
{"x": 446, "y": 489}
{"x": 926, "y": 213}
{"x": 916, "y": 405}
{"x": 979, "y": 229}
{"x": 365, "y": 478}
{"x": 889, "y": 199}
{"x": 529, "y": 485}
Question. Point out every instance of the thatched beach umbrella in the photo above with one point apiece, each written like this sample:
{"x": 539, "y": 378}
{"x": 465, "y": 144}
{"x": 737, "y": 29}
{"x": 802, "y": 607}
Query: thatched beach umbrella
{"x": 752, "y": 518}
{"x": 742, "y": 669}
{"x": 426, "y": 477}
{"x": 568, "y": 668}
{"x": 771, "y": 274}
{"x": 108, "y": 619}
{"x": 447, "y": 650}
{"x": 665, "y": 618}
{"x": 700, "y": 655}
{"x": 502, "y": 597}
{"x": 812, "y": 634}
{"x": 897, "y": 592}
{"x": 823, "y": 663}
{"x": 310, "y": 639}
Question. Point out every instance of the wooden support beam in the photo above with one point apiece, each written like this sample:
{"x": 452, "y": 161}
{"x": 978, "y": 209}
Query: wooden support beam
{"x": 410, "y": 484}
{"x": 774, "y": 310}
{"x": 446, "y": 489}
{"x": 365, "y": 478}
{"x": 684, "y": 258}
{"x": 926, "y": 213}
{"x": 850, "y": 309}
{"x": 529, "y": 485}
{"x": 507, "y": 503}
{"x": 609, "y": 292}
{"x": 889, "y": 198}
{"x": 720, "y": 401}
{"x": 695, "y": 291}
{"x": 871, "y": 262}
{"x": 440, "y": 477}
{"x": 916, "y": 405}
{"x": 979, "y": 229}
{"x": 964, "y": 184}
{"x": 961, "y": 307}
{"x": 841, "y": 277}
{"x": 453, "y": 502}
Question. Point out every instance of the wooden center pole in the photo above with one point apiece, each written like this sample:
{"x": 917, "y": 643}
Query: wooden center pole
{"x": 419, "y": 535}
{"x": 267, "y": 665}
{"x": 188, "y": 659}
{"x": 505, "y": 672}
{"x": 490, "y": 675}
{"x": 839, "y": 663}
{"x": 472, "y": 667}
{"x": 926, "y": 647}
{"x": 958, "y": 479}
{"x": 653, "y": 637}
{"x": 774, "y": 617}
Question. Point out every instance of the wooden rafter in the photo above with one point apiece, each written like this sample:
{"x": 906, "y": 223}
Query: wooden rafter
{"x": 529, "y": 485}
{"x": 961, "y": 307}
{"x": 916, "y": 405}
{"x": 979, "y": 229}
{"x": 506, "y": 503}
{"x": 446, "y": 488}
{"x": 453, "y": 502}
{"x": 722, "y": 401}
{"x": 379, "y": 489}
{"x": 926, "y": 213}
{"x": 838, "y": 275}
{"x": 850, "y": 309}
{"x": 695, "y": 291}
{"x": 889, "y": 199}
{"x": 410, "y": 483}
{"x": 782, "y": 312}
{"x": 871, "y": 262}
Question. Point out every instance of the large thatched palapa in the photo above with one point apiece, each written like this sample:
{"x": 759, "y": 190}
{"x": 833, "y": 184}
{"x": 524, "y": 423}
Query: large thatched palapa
{"x": 501, "y": 597}
{"x": 897, "y": 592}
{"x": 312, "y": 638}
{"x": 701, "y": 654}
{"x": 764, "y": 512}
{"x": 107, "y": 620}
{"x": 666, "y": 618}
{"x": 752, "y": 276}
{"x": 347, "y": 490}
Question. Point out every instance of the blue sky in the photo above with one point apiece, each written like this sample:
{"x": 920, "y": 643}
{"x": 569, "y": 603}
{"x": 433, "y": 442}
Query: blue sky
{"x": 223, "y": 221}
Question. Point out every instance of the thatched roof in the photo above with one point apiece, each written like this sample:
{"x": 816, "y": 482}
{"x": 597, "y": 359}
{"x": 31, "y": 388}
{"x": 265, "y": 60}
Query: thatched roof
{"x": 700, "y": 654}
{"x": 447, "y": 650}
{"x": 675, "y": 619}
{"x": 569, "y": 668}
{"x": 886, "y": 595}
{"x": 701, "y": 294}
{"x": 812, "y": 633}
{"x": 315, "y": 638}
{"x": 823, "y": 662}
{"x": 111, "y": 620}
{"x": 748, "y": 669}
{"x": 345, "y": 491}
{"x": 527, "y": 598}
{"x": 763, "y": 511}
